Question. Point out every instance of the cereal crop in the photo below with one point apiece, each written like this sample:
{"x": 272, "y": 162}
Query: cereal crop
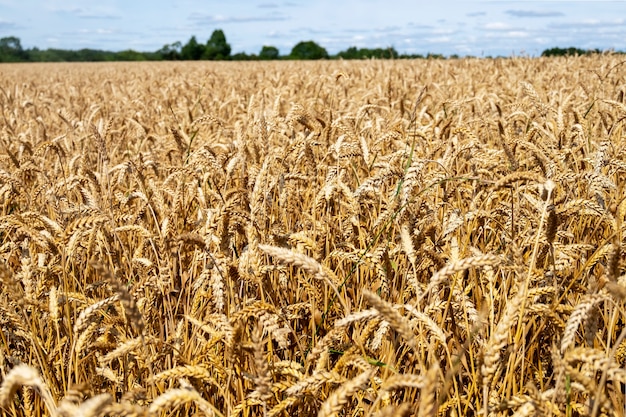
{"x": 330, "y": 238}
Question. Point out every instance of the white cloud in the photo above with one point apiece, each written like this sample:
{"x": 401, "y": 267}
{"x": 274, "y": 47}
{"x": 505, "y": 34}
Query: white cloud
{"x": 534, "y": 13}
{"x": 7, "y": 24}
{"x": 516, "y": 34}
{"x": 590, "y": 23}
{"x": 497, "y": 26}
{"x": 439, "y": 39}
{"x": 221, "y": 19}
{"x": 93, "y": 12}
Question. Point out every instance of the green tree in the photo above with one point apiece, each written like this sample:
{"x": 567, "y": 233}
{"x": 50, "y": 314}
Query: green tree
{"x": 363, "y": 53}
{"x": 130, "y": 55}
{"x": 216, "y": 47}
{"x": 386, "y": 53}
{"x": 571, "y": 51}
{"x": 49, "y": 55}
{"x": 350, "y": 53}
{"x": 269, "y": 52}
{"x": 92, "y": 55}
{"x": 242, "y": 56}
{"x": 171, "y": 51}
{"x": 192, "y": 50}
{"x": 308, "y": 50}
{"x": 11, "y": 50}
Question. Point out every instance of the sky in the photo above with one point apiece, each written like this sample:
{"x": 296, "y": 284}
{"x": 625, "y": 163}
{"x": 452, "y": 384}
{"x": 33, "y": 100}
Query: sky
{"x": 478, "y": 28}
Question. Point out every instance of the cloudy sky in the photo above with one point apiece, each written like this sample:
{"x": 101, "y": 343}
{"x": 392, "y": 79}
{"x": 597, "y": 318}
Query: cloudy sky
{"x": 479, "y": 28}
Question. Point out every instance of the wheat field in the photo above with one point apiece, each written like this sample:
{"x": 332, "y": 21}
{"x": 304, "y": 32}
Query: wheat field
{"x": 372, "y": 238}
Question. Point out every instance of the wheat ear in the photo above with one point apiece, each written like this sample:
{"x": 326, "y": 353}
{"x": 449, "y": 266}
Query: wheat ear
{"x": 177, "y": 397}
{"x": 307, "y": 263}
{"x": 399, "y": 323}
{"x": 428, "y": 394}
{"x": 340, "y": 397}
{"x": 580, "y": 313}
{"x": 439, "y": 277}
{"x": 498, "y": 340}
{"x": 26, "y": 375}
{"x": 188, "y": 371}
{"x": 94, "y": 406}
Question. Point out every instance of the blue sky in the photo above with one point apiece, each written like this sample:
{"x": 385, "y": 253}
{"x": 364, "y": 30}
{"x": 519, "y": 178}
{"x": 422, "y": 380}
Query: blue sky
{"x": 477, "y": 28}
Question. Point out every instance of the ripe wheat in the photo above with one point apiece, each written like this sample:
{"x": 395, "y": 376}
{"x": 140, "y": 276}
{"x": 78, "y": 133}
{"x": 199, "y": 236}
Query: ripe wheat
{"x": 436, "y": 237}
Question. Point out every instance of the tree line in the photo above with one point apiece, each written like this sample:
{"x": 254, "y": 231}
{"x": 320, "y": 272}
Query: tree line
{"x": 571, "y": 51}
{"x": 216, "y": 48}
